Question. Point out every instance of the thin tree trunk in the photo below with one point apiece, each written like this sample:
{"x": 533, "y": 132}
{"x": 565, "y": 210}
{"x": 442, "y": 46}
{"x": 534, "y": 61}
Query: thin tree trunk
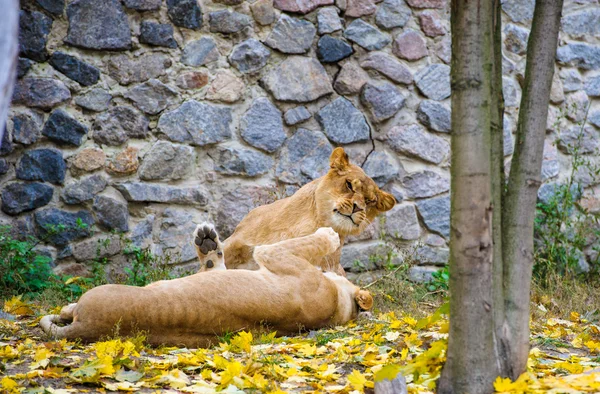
{"x": 498, "y": 179}
{"x": 9, "y": 25}
{"x": 525, "y": 179}
{"x": 471, "y": 366}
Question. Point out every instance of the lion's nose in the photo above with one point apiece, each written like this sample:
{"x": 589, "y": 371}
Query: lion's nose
{"x": 356, "y": 208}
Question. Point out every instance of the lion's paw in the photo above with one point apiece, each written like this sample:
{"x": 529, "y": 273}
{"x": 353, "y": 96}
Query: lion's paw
{"x": 208, "y": 245}
{"x": 331, "y": 236}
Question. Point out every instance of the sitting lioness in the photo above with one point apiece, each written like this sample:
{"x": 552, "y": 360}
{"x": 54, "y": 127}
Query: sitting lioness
{"x": 345, "y": 199}
{"x": 287, "y": 293}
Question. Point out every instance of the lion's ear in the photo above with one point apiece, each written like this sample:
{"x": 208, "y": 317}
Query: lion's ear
{"x": 339, "y": 159}
{"x": 385, "y": 201}
{"x": 364, "y": 300}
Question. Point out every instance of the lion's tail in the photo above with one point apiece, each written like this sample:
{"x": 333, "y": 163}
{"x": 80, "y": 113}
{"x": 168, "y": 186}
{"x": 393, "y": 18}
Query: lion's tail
{"x": 48, "y": 323}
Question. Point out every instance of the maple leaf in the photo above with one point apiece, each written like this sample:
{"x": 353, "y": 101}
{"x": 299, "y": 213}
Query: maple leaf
{"x": 41, "y": 358}
{"x": 357, "y": 380}
{"x": 8, "y": 385}
{"x": 388, "y": 372}
{"x": 242, "y": 341}
{"x": 232, "y": 370}
{"x": 90, "y": 371}
{"x": 17, "y": 306}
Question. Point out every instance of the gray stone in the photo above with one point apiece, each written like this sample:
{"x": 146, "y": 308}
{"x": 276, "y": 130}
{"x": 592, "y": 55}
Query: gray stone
{"x": 427, "y": 3}
{"x": 111, "y": 214}
{"x": 342, "y": 122}
{"x": 519, "y": 10}
{"x": 46, "y": 165}
{"x": 332, "y": 50}
{"x": 167, "y": 161}
{"x": 145, "y": 192}
{"x": 43, "y": 93}
{"x": 396, "y": 385}
{"x": 296, "y": 115}
{"x": 228, "y": 22}
{"x": 388, "y": 66}
{"x": 4, "y": 166}
{"x": 434, "y": 81}
{"x": 193, "y": 80}
{"x": 576, "y": 105}
{"x": 152, "y": 97}
{"x": 402, "y": 223}
{"x": 511, "y": 92}
{"x": 263, "y": 12}
{"x": 382, "y": 168}
{"x": 410, "y": 45}
{"x": 304, "y": 157}
{"x": 515, "y": 39}
{"x": 350, "y": 79}
{"x": 185, "y": 13}
{"x": 414, "y": 140}
{"x": 157, "y": 34}
{"x": 300, "y": 6}
{"x": 99, "y": 25}
{"x": 26, "y": 127}
{"x": 63, "y": 128}
{"x": 143, "y": 5}
{"x": 298, "y": 79}
{"x": 23, "y": 197}
{"x": 197, "y": 123}
{"x": 584, "y": 141}
{"x": 392, "y": 13}
{"x": 434, "y": 115}
{"x": 76, "y": 225}
{"x": 592, "y": 86}
{"x": 431, "y": 24}
{"x": 200, "y": 52}
{"x": 594, "y": 118}
{"x": 571, "y": 80}
{"x": 74, "y": 68}
{"x": 241, "y": 161}
{"x": 262, "y": 126}
{"x": 429, "y": 255}
{"x": 421, "y": 274}
{"x": 118, "y": 125}
{"x": 443, "y": 50}
{"x": 225, "y": 87}
{"x": 96, "y": 100}
{"x": 425, "y": 184}
{"x": 128, "y": 70}
{"x": 141, "y": 235}
{"x": 383, "y": 100}
{"x": 176, "y": 235}
{"x": 235, "y": 205}
{"x": 96, "y": 248}
{"x": 34, "y": 28}
{"x": 360, "y": 257}
{"x": 23, "y": 65}
{"x": 328, "y": 20}
{"x": 366, "y": 35}
{"x": 550, "y": 164}
{"x": 579, "y": 55}
{"x": 359, "y": 8}
{"x": 550, "y": 191}
{"x": 6, "y": 145}
{"x": 291, "y": 35}
{"x": 249, "y": 56}
{"x": 83, "y": 190}
{"x": 436, "y": 214}
{"x": 557, "y": 94}
{"x": 582, "y": 24}
{"x": 55, "y": 7}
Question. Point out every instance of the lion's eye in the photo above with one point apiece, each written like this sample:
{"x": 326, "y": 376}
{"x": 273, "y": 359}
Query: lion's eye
{"x": 349, "y": 186}
{"x": 369, "y": 202}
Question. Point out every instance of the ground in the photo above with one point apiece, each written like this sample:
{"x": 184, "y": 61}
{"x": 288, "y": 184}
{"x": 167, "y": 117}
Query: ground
{"x": 347, "y": 359}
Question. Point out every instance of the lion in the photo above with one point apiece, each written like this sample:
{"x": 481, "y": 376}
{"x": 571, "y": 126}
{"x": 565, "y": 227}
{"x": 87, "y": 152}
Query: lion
{"x": 345, "y": 199}
{"x": 286, "y": 293}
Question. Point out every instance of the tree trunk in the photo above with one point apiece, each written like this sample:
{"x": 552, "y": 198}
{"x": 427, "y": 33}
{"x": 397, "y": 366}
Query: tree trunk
{"x": 525, "y": 179}
{"x": 471, "y": 366}
{"x": 9, "y": 25}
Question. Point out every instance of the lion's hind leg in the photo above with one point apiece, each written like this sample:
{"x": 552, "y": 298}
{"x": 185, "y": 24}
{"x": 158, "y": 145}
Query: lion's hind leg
{"x": 66, "y": 313}
{"x": 311, "y": 248}
{"x": 209, "y": 247}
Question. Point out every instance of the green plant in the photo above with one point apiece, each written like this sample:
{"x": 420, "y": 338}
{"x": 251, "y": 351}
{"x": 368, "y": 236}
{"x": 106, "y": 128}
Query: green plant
{"x": 439, "y": 280}
{"x": 563, "y": 227}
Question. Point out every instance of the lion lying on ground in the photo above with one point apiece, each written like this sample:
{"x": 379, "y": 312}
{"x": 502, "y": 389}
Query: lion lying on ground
{"x": 287, "y": 293}
{"x": 345, "y": 199}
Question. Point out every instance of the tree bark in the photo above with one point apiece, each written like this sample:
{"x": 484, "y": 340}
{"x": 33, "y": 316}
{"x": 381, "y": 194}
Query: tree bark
{"x": 9, "y": 27}
{"x": 525, "y": 179}
{"x": 471, "y": 366}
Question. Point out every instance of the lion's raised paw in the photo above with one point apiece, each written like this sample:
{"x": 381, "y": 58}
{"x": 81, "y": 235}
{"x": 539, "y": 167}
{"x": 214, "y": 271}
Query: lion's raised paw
{"x": 331, "y": 236}
{"x": 206, "y": 238}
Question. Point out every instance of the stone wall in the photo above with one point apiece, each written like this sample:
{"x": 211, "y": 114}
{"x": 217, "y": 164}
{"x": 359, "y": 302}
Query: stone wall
{"x": 144, "y": 117}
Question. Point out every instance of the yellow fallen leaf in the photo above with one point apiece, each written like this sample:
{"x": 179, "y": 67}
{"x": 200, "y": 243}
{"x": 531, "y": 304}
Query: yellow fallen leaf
{"x": 233, "y": 370}
{"x": 357, "y": 380}
{"x": 8, "y": 385}
{"x": 17, "y": 306}
{"x": 242, "y": 341}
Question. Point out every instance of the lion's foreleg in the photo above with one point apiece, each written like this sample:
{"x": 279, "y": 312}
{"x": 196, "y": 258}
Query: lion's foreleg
{"x": 209, "y": 247}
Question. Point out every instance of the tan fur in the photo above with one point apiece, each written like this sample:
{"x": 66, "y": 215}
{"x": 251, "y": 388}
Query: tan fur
{"x": 320, "y": 203}
{"x": 286, "y": 293}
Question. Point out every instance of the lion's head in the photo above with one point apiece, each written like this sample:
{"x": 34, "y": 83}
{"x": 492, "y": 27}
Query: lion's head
{"x": 347, "y": 199}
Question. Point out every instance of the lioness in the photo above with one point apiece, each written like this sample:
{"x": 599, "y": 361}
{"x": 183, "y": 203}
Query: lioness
{"x": 345, "y": 199}
{"x": 286, "y": 293}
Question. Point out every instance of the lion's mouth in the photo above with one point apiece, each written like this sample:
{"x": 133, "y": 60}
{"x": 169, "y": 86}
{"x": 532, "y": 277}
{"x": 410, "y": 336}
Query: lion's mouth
{"x": 346, "y": 216}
